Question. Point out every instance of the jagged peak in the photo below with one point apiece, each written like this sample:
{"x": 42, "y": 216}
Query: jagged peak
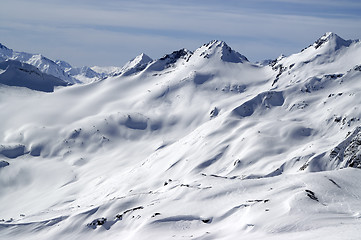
{"x": 175, "y": 55}
{"x": 274, "y": 62}
{"x": 222, "y": 50}
{"x": 180, "y": 56}
{"x": 333, "y": 40}
{"x": 329, "y": 35}
{"x": 215, "y": 43}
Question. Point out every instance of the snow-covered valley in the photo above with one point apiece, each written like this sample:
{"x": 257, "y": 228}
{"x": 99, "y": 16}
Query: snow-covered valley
{"x": 195, "y": 145}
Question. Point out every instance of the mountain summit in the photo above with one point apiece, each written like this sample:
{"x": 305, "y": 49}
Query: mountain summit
{"x": 333, "y": 42}
{"x": 135, "y": 65}
{"x": 220, "y": 50}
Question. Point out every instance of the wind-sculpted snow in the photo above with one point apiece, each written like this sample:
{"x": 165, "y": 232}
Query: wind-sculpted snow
{"x": 195, "y": 145}
{"x": 261, "y": 102}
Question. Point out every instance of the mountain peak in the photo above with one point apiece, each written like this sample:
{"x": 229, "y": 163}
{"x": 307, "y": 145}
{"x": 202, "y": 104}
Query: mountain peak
{"x": 142, "y": 58}
{"x": 215, "y": 43}
{"x": 330, "y": 35}
{"x": 222, "y": 50}
{"x": 332, "y": 40}
{"x": 135, "y": 65}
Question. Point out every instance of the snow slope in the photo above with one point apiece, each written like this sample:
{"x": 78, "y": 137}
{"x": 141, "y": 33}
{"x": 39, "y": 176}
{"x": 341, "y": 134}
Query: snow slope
{"x": 195, "y": 145}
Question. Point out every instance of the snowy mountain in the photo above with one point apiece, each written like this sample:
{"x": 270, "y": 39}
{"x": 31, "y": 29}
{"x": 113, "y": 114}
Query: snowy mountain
{"x": 44, "y": 64}
{"x": 15, "y": 73}
{"x": 135, "y": 65}
{"x": 329, "y": 54}
{"x": 221, "y": 50}
{"x": 59, "y": 69}
{"x": 195, "y": 145}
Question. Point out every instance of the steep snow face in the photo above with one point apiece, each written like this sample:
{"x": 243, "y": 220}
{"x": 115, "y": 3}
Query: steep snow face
{"x": 15, "y": 73}
{"x": 188, "y": 147}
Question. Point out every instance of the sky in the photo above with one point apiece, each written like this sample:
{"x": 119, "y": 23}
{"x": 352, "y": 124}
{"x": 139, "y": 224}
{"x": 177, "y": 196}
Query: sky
{"x": 111, "y": 32}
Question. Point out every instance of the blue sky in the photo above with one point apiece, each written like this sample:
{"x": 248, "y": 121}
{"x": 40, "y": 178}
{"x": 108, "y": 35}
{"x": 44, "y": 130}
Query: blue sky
{"x": 111, "y": 32}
